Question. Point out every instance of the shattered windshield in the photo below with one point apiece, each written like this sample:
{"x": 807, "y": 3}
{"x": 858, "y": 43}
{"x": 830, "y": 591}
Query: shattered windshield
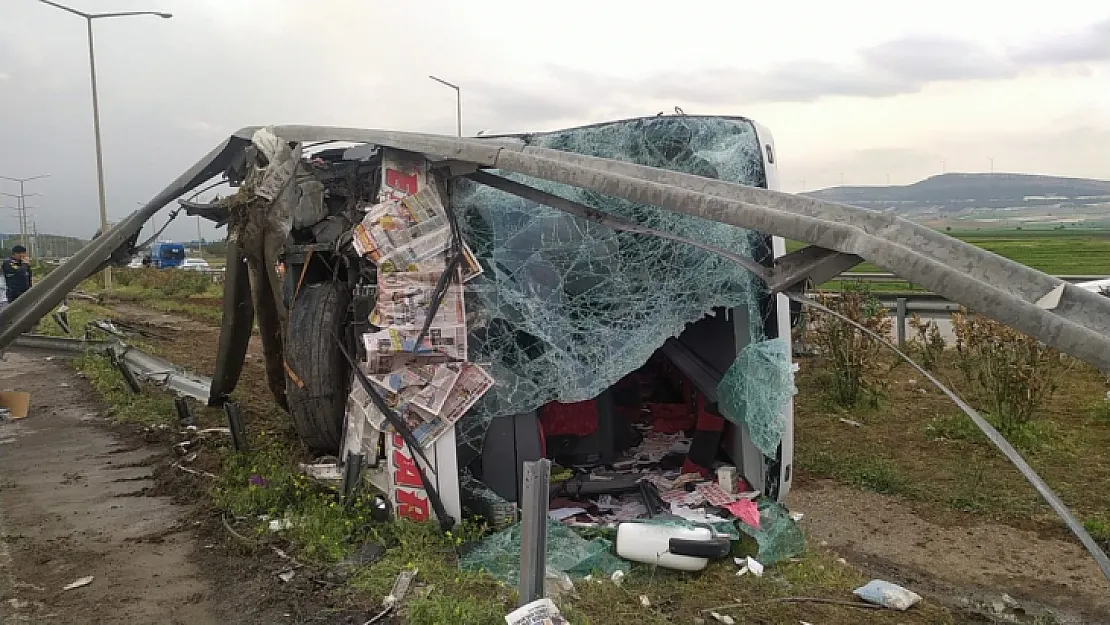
{"x": 565, "y": 307}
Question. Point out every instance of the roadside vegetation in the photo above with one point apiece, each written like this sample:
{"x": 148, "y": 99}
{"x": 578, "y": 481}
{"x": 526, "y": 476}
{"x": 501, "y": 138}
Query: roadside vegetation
{"x": 1055, "y": 252}
{"x": 904, "y": 437}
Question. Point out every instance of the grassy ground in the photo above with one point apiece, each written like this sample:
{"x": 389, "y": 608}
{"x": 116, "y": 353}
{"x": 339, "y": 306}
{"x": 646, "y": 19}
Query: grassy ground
{"x": 918, "y": 445}
{"x": 1053, "y": 252}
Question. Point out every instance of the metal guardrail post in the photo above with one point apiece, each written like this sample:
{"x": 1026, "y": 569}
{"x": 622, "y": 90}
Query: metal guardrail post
{"x": 184, "y": 411}
{"x": 901, "y": 321}
{"x": 533, "y": 529}
{"x": 235, "y": 424}
{"x": 352, "y": 473}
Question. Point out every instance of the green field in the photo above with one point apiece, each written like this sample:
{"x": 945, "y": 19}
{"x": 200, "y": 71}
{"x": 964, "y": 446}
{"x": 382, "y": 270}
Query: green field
{"x": 1053, "y": 252}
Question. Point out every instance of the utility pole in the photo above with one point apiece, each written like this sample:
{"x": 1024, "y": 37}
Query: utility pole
{"x": 992, "y": 164}
{"x": 458, "y": 102}
{"x": 22, "y": 206}
{"x": 200, "y": 240}
{"x": 89, "y": 17}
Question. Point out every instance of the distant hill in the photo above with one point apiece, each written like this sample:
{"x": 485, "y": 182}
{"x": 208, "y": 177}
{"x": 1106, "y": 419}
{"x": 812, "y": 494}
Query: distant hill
{"x": 961, "y": 191}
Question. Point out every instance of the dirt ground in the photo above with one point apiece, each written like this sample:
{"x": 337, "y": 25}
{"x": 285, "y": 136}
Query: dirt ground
{"x": 72, "y": 505}
{"x": 961, "y": 564}
{"x": 80, "y": 498}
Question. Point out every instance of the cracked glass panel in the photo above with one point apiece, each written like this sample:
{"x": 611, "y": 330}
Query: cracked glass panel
{"x": 567, "y": 307}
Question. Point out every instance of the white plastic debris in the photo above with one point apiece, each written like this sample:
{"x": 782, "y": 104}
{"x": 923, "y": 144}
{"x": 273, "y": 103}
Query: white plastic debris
{"x": 535, "y": 613}
{"x": 749, "y": 565}
{"x": 287, "y": 576}
{"x": 84, "y": 581}
{"x": 618, "y": 577}
{"x": 644, "y": 601}
{"x": 797, "y": 516}
{"x": 723, "y": 618}
{"x": 887, "y": 595}
{"x": 755, "y": 567}
{"x": 279, "y": 525}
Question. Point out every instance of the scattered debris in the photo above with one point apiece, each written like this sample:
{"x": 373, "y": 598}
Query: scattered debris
{"x": 84, "y": 581}
{"x": 539, "y": 612}
{"x": 745, "y": 510}
{"x": 778, "y": 536}
{"x": 726, "y": 479}
{"x": 323, "y": 471}
{"x": 723, "y": 618}
{"x": 287, "y": 575}
{"x": 749, "y": 565}
{"x": 644, "y": 601}
{"x": 887, "y": 595}
{"x": 400, "y": 588}
{"x": 851, "y": 422}
{"x": 499, "y": 554}
{"x": 617, "y": 577}
{"x": 280, "y": 525}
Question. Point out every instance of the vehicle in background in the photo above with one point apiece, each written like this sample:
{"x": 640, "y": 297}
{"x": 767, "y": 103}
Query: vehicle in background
{"x": 1096, "y": 286}
{"x": 195, "y": 264}
{"x": 166, "y": 255}
{"x": 136, "y": 263}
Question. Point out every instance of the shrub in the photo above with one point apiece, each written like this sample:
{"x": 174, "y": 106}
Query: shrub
{"x": 1014, "y": 373}
{"x": 855, "y": 368}
{"x": 927, "y": 343}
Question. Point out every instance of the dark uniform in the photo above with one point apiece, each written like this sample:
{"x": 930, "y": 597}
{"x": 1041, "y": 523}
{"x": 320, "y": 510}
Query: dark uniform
{"x": 17, "y": 277}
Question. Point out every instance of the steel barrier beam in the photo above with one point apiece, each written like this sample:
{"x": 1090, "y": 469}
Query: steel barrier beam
{"x": 1076, "y": 322}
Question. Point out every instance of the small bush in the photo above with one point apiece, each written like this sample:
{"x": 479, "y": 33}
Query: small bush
{"x": 1015, "y": 374}
{"x": 952, "y": 427}
{"x": 927, "y": 343}
{"x": 855, "y": 368}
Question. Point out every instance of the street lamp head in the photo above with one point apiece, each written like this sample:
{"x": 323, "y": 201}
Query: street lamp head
{"x": 164, "y": 16}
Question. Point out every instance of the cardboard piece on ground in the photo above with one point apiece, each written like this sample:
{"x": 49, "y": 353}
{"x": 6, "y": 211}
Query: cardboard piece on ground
{"x": 19, "y": 403}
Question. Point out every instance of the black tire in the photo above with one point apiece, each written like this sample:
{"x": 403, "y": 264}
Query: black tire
{"x": 319, "y": 315}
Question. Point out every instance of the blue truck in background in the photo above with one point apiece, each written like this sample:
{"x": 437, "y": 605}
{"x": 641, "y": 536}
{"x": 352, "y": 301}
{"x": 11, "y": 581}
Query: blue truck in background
{"x": 167, "y": 255}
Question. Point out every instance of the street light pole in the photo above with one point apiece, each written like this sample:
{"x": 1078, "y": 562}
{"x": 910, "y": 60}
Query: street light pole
{"x": 89, "y": 17}
{"x": 458, "y": 102}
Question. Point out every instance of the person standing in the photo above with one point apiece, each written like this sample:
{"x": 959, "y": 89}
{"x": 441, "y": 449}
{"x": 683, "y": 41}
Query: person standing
{"x": 17, "y": 273}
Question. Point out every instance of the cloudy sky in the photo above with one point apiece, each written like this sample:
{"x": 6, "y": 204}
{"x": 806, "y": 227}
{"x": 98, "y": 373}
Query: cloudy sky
{"x": 858, "y": 90}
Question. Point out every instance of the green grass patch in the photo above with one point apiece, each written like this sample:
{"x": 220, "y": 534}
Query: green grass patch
{"x": 1051, "y": 251}
{"x": 147, "y": 408}
{"x": 1099, "y": 529}
{"x": 869, "y": 472}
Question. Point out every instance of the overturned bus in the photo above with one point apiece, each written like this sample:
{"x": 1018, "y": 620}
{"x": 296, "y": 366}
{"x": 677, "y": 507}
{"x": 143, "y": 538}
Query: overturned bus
{"x": 503, "y": 318}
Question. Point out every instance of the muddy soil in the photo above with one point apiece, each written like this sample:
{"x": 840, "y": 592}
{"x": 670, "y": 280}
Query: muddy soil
{"x": 68, "y": 510}
{"x": 80, "y": 498}
{"x": 962, "y": 564}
